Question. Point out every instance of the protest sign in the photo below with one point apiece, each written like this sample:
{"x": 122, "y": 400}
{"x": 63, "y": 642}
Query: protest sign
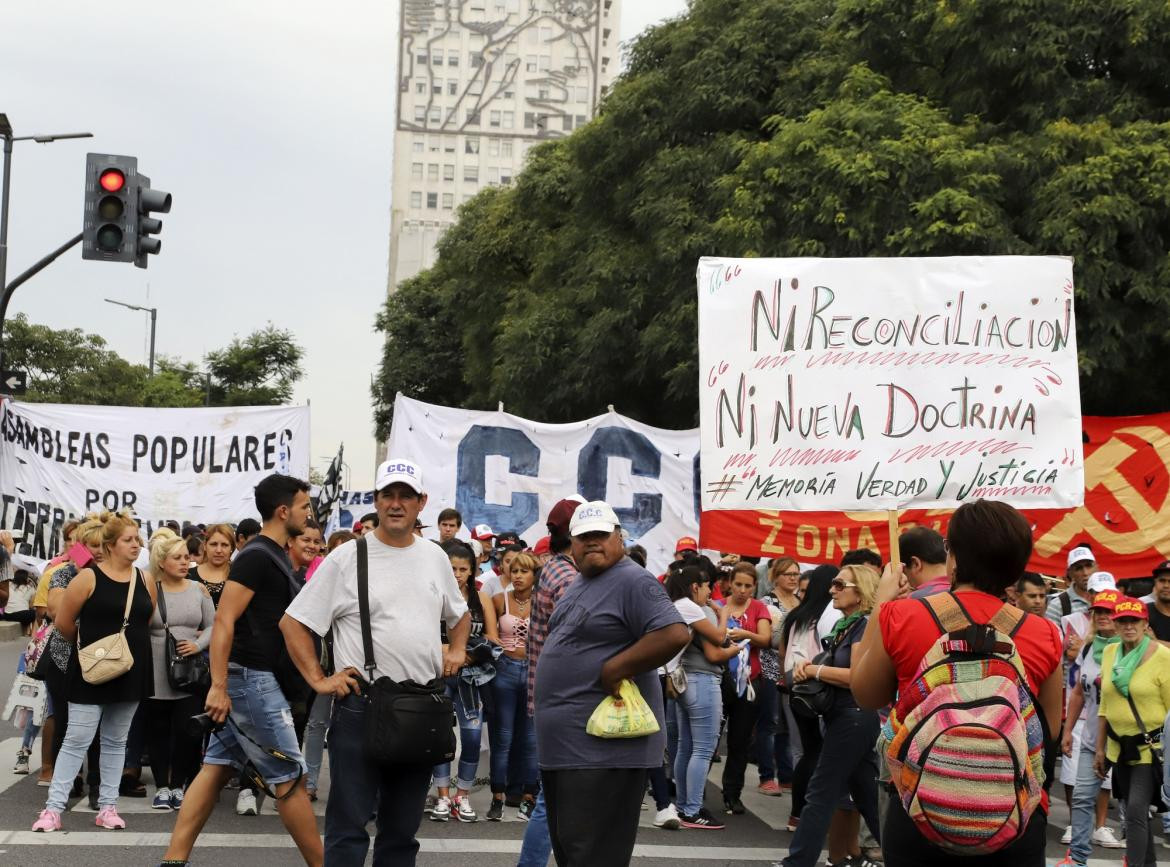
{"x": 508, "y": 472}
{"x": 199, "y": 465}
{"x": 1125, "y": 517}
{"x": 853, "y": 384}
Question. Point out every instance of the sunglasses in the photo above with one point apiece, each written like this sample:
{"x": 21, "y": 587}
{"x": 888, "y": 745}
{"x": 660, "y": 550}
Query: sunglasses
{"x": 839, "y": 584}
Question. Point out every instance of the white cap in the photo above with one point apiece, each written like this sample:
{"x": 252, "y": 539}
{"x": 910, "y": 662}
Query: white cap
{"x": 1079, "y": 555}
{"x": 483, "y": 532}
{"x": 1099, "y": 581}
{"x": 397, "y": 470}
{"x": 595, "y": 517}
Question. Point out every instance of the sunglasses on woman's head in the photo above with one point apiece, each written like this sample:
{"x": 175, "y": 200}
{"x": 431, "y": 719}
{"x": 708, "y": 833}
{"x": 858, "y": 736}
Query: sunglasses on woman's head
{"x": 841, "y": 584}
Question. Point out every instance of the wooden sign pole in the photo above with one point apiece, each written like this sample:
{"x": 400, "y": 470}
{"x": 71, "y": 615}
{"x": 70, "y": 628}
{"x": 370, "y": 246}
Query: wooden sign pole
{"x": 895, "y": 553}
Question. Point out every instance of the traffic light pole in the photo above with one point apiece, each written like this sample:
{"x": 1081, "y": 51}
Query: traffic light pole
{"x": 22, "y": 278}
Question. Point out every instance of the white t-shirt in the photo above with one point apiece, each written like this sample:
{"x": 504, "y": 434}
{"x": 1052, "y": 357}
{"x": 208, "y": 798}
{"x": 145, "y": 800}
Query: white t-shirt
{"x": 19, "y": 597}
{"x": 411, "y": 591}
{"x": 690, "y": 612}
{"x": 492, "y": 585}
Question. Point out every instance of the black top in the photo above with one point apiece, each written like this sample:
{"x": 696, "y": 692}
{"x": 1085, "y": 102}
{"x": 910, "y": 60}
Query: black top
{"x": 258, "y": 642}
{"x": 101, "y": 615}
{"x": 214, "y": 588}
{"x": 1159, "y": 622}
{"x": 841, "y": 656}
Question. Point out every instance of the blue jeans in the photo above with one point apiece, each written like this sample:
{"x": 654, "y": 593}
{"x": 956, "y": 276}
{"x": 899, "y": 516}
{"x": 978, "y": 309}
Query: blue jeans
{"x": 470, "y": 736}
{"x": 358, "y": 788}
{"x": 537, "y": 843}
{"x": 316, "y": 728}
{"x": 513, "y": 733}
{"x": 259, "y": 710}
{"x": 770, "y": 740}
{"x": 83, "y": 724}
{"x": 1084, "y": 803}
{"x": 699, "y": 711}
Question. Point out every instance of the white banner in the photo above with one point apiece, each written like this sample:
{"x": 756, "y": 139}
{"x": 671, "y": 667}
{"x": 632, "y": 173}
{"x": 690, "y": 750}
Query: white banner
{"x": 859, "y": 384}
{"x": 198, "y": 465}
{"x": 506, "y": 471}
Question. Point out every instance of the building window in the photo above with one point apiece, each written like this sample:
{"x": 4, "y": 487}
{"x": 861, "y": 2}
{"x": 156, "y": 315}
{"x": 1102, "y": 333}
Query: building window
{"x": 418, "y": 147}
{"x": 567, "y": 122}
{"x": 471, "y": 173}
{"x": 422, "y": 58}
{"x": 437, "y": 58}
{"x": 542, "y": 93}
{"x": 529, "y": 120}
{"x": 420, "y": 114}
{"x": 472, "y": 117}
{"x": 434, "y": 145}
{"x": 544, "y": 63}
{"x": 452, "y": 58}
{"x": 432, "y": 200}
{"x": 471, "y": 145}
{"x": 493, "y": 175}
{"x": 436, "y": 115}
{"x": 420, "y": 87}
{"x": 493, "y": 147}
{"x": 581, "y": 120}
{"x": 416, "y": 170}
{"x": 433, "y": 172}
{"x": 530, "y": 63}
{"x": 416, "y": 199}
{"x": 448, "y": 172}
{"x": 582, "y": 94}
{"x": 509, "y": 119}
{"x": 476, "y": 59}
{"x": 449, "y": 146}
{"x": 437, "y": 86}
{"x": 505, "y": 149}
{"x": 546, "y": 34}
{"x": 452, "y": 86}
{"x": 448, "y": 201}
{"x": 509, "y": 94}
{"x": 494, "y": 119}
{"x": 505, "y": 176}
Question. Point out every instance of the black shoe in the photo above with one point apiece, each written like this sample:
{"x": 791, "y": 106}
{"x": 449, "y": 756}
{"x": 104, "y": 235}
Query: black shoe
{"x": 702, "y": 821}
{"x": 734, "y": 805}
{"x": 526, "y": 808}
{"x": 513, "y": 800}
{"x": 93, "y": 797}
{"x": 495, "y": 812}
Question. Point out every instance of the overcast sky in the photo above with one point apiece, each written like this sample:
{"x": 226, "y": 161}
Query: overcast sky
{"x": 271, "y": 125}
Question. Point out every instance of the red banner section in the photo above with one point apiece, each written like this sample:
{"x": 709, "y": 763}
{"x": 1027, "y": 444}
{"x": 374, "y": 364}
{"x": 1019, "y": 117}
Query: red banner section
{"x": 1125, "y": 518}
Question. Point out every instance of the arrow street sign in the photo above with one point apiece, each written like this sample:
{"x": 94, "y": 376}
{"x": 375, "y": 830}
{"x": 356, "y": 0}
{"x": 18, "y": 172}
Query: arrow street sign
{"x": 14, "y": 382}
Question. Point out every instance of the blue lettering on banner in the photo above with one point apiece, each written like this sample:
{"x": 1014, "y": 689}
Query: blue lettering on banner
{"x": 645, "y": 461}
{"x": 471, "y": 484}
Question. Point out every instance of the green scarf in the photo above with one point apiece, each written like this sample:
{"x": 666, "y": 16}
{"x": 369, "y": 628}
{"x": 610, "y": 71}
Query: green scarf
{"x": 1100, "y": 642}
{"x": 1126, "y": 664}
{"x": 843, "y": 624}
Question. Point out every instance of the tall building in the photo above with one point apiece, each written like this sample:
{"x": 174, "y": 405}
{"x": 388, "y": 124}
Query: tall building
{"x": 480, "y": 82}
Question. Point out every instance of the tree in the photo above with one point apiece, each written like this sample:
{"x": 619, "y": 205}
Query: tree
{"x": 71, "y": 366}
{"x": 259, "y": 370}
{"x": 805, "y": 127}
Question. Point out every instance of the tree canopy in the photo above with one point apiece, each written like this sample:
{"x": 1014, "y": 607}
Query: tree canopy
{"x": 71, "y": 366}
{"x": 808, "y": 128}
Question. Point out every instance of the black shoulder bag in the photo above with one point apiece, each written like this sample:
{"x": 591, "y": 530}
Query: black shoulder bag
{"x": 406, "y": 723}
{"x": 189, "y": 674}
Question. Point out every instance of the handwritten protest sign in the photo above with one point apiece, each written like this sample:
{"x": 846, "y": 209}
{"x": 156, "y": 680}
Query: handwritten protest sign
{"x": 884, "y": 383}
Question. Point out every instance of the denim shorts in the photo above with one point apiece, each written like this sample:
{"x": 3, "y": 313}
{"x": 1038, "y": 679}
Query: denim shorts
{"x": 260, "y": 711}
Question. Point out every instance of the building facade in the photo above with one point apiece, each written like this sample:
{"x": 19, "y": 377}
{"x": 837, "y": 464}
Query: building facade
{"x": 481, "y": 82}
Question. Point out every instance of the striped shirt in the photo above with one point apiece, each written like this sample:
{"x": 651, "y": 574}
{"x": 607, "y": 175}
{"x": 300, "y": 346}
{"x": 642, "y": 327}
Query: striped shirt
{"x": 555, "y": 577}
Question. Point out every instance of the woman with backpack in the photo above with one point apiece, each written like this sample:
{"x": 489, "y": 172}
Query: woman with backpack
{"x": 1010, "y": 679}
{"x": 800, "y": 638}
{"x": 1135, "y": 698}
{"x": 846, "y": 763}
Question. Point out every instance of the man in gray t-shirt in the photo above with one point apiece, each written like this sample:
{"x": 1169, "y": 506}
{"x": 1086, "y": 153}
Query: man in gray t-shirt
{"x": 614, "y": 622}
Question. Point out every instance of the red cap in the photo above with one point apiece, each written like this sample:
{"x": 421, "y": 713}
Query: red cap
{"x": 542, "y": 546}
{"x": 560, "y": 515}
{"x": 1127, "y": 606}
{"x": 687, "y": 543}
{"x": 1107, "y": 599}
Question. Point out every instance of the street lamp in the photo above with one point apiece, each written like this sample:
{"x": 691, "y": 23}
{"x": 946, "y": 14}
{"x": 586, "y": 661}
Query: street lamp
{"x": 153, "y": 311}
{"x": 6, "y": 134}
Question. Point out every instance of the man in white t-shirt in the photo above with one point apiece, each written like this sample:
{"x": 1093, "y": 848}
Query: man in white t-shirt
{"x": 411, "y": 589}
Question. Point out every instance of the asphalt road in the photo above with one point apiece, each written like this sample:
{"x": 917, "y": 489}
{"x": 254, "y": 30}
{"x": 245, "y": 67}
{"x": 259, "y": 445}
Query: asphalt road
{"x": 228, "y": 840}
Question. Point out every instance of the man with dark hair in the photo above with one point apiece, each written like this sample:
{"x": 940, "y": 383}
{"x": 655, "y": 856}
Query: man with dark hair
{"x": 1032, "y": 593}
{"x": 367, "y": 523}
{"x": 614, "y": 623}
{"x": 924, "y": 561}
{"x": 246, "y": 530}
{"x": 449, "y": 523}
{"x": 246, "y": 648}
{"x": 861, "y": 557}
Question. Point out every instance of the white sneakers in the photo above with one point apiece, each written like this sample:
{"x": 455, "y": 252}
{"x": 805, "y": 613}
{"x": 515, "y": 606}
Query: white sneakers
{"x": 1105, "y": 837}
{"x": 1066, "y": 837}
{"x": 246, "y": 804}
{"x": 441, "y": 812}
{"x": 667, "y": 818}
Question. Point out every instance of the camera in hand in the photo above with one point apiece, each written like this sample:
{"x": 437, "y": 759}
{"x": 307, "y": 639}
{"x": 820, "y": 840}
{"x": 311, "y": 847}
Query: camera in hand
{"x": 202, "y": 724}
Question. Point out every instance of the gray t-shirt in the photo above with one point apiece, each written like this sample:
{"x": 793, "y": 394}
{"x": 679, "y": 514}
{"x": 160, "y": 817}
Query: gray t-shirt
{"x": 595, "y": 619}
{"x": 693, "y": 658}
{"x": 190, "y": 614}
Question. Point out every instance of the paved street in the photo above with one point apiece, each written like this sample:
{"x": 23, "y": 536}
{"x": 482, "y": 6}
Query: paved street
{"x": 752, "y": 839}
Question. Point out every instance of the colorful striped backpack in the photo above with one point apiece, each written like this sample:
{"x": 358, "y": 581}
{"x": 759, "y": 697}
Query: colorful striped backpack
{"x": 965, "y": 741}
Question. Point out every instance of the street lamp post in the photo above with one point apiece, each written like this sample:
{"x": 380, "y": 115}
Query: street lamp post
{"x": 153, "y": 311}
{"x": 9, "y": 138}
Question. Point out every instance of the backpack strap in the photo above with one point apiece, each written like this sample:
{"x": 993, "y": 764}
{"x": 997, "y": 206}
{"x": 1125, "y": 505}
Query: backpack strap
{"x": 1008, "y": 620}
{"x": 947, "y": 612}
{"x": 363, "y": 587}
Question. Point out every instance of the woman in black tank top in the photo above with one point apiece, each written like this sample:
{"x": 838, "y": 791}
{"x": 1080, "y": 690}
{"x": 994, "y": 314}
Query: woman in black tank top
{"x": 92, "y": 608}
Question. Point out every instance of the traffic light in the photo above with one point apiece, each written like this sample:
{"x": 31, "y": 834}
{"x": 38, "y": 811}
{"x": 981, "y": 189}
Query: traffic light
{"x": 149, "y": 201}
{"x": 118, "y": 203}
{"x": 110, "y": 226}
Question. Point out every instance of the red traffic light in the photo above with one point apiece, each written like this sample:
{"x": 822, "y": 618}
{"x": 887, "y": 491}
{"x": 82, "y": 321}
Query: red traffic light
{"x": 112, "y": 180}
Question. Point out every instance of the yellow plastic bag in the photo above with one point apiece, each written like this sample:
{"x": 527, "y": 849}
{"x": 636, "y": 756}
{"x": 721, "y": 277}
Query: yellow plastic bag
{"x": 627, "y": 717}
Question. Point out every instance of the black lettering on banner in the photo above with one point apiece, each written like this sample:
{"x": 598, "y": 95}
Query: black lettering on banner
{"x": 178, "y": 452}
{"x": 233, "y": 456}
{"x": 251, "y": 445}
{"x": 269, "y": 451}
{"x": 141, "y": 446}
